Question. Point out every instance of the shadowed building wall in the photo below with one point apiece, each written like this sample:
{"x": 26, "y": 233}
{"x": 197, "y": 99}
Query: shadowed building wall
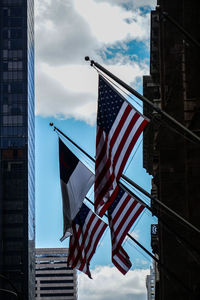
{"x": 17, "y": 182}
{"x": 171, "y": 158}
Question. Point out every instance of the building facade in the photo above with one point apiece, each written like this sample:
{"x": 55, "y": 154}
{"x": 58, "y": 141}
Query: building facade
{"x": 151, "y": 283}
{"x": 54, "y": 279}
{"x": 170, "y": 155}
{"x": 17, "y": 183}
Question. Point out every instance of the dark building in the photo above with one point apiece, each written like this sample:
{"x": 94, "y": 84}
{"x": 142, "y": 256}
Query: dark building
{"x": 170, "y": 155}
{"x": 17, "y": 232}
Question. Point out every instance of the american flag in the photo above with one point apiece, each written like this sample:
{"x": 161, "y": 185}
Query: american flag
{"x": 118, "y": 128}
{"x": 87, "y": 231}
{"x": 122, "y": 213}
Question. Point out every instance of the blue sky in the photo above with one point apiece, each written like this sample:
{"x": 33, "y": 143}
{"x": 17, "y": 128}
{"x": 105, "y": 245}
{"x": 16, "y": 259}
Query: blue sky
{"x": 114, "y": 33}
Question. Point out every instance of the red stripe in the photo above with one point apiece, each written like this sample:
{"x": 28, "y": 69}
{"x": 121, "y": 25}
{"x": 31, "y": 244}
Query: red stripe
{"x": 124, "y": 258}
{"x": 93, "y": 230}
{"x": 74, "y": 241}
{"x": 97, "y": 241}
{"x": 100, "y": 156}
{"x": 109, "y": 144}
{"x": 99, "y": 195}
{"x": 124, "y": 139}
{"x": 127, "y": 214}
{"x": 109, "y": 202}
{"x": 134, "y": 140}
{"x": 81, "y": 260}
{"x": 77, "y": 246}
{"x": 119, "y": 128}
{"x": 102, "y": 151}
{"x": 130, "y": 223}
{"x": 100, "y": 175}
{"x": 122, "y": 206}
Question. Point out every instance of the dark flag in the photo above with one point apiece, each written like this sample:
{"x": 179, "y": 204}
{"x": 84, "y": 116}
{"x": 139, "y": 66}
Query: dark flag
{"x": 87, "y": 231}
{"x": 76, "y": 180}
{"x": 122, "y": 213}
{"x": 118, "y": 127}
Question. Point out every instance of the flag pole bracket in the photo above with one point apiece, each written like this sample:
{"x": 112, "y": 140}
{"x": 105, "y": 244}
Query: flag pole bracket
{"x": 87, "y": 58}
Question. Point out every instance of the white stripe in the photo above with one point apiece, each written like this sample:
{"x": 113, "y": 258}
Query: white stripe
{"x": 95, "y": 237}
{"x": 118, "y": 118}
{"x": 127, "y": 222}
{"x": 111, "y": 132}
{"x": 119, "y": 205}
{"x": 89, "y": 232}
{"x": 127, "y": 143}
{"x": 122, "y": 132}
{"x": 101, "y": 142}
{"x": 86, "y": 221}
{"x": 102, "y": 183}
{"x": 116, "y": 258}
{"x": 75, "y": 249}
{"x": 124, "y": 211}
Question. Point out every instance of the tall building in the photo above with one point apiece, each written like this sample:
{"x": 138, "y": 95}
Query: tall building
{"x": 17, "y": 232}
{"x": 151, "y": 283}
{"x": 171, "y": 157}
{"x": 54, "y": 279}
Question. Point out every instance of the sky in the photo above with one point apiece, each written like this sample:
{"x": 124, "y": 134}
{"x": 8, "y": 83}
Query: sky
{"x": 115, "y": 33}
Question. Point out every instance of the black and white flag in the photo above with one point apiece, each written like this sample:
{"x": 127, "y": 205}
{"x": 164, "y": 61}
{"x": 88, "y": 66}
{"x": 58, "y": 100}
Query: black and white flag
{"x": 76, "y": 180}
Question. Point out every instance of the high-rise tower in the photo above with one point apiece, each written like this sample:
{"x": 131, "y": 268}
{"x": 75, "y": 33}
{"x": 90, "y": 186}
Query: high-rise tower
{"x": 17, "y": 233}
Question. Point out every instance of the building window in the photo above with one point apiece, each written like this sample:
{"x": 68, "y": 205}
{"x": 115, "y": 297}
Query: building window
{"x": 13, "y": 120}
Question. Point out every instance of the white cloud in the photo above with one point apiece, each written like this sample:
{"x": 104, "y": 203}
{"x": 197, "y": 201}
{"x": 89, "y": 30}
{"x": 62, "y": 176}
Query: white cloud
{"x": 67, "y": 31}
{"x": 133, "y": 3}
{"x": 71, "y": 90}
{"x": 109, "y": 283}
{"x": 62, "y": 35}
{"x": 110, "y": 24}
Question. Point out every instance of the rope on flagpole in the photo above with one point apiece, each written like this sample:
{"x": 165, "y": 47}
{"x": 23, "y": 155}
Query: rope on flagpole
{"x": 132, "y": 183}
{"x": 193, "y": 251}
{"x": 160, "y": 264}
{"x": 144, "y": 99}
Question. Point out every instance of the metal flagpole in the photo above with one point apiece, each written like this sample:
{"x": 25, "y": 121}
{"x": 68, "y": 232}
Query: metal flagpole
{"x": 134, "y": 184}
{"x": 160, "y": 264}
{"x": 170, "y": 19}
{"x": 15, "y": 292}
{"x": 144, "y": 99}
{"x": 177, "y": 236}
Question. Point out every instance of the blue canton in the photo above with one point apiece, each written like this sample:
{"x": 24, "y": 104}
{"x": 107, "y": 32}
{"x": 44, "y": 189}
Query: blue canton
{"x": 81, "y": 215}
{"x": 109, "y": 104}
{"x": 115, "y": 202}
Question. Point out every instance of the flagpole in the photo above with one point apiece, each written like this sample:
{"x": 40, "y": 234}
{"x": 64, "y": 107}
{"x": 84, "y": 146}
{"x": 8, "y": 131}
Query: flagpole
{"x": 144, "y": 99}
{"x": 15, "y": 292}
{"x": 187, "y": 289}
{"x": 177, "y": 236}
{"x": 133, "y": 184}
{"x": 186, "y": 33}
{"x": 161, "y": 265}
{"x": 160, "y": 203}
{"x": 132, "y": 194}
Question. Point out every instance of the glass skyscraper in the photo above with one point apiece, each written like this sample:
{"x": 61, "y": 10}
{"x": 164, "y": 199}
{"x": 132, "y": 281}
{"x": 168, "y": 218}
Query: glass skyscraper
{"x": 17, "y": 190}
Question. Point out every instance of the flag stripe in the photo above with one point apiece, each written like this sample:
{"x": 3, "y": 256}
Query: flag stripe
{"x": 87, "y": 231}
{"x": 118, "y": 128}
{"x": 111, "y": 145}
{"x": 131, "y": 145}
{"x": 122, "y": 214}
{"x": 121, "y": 261}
